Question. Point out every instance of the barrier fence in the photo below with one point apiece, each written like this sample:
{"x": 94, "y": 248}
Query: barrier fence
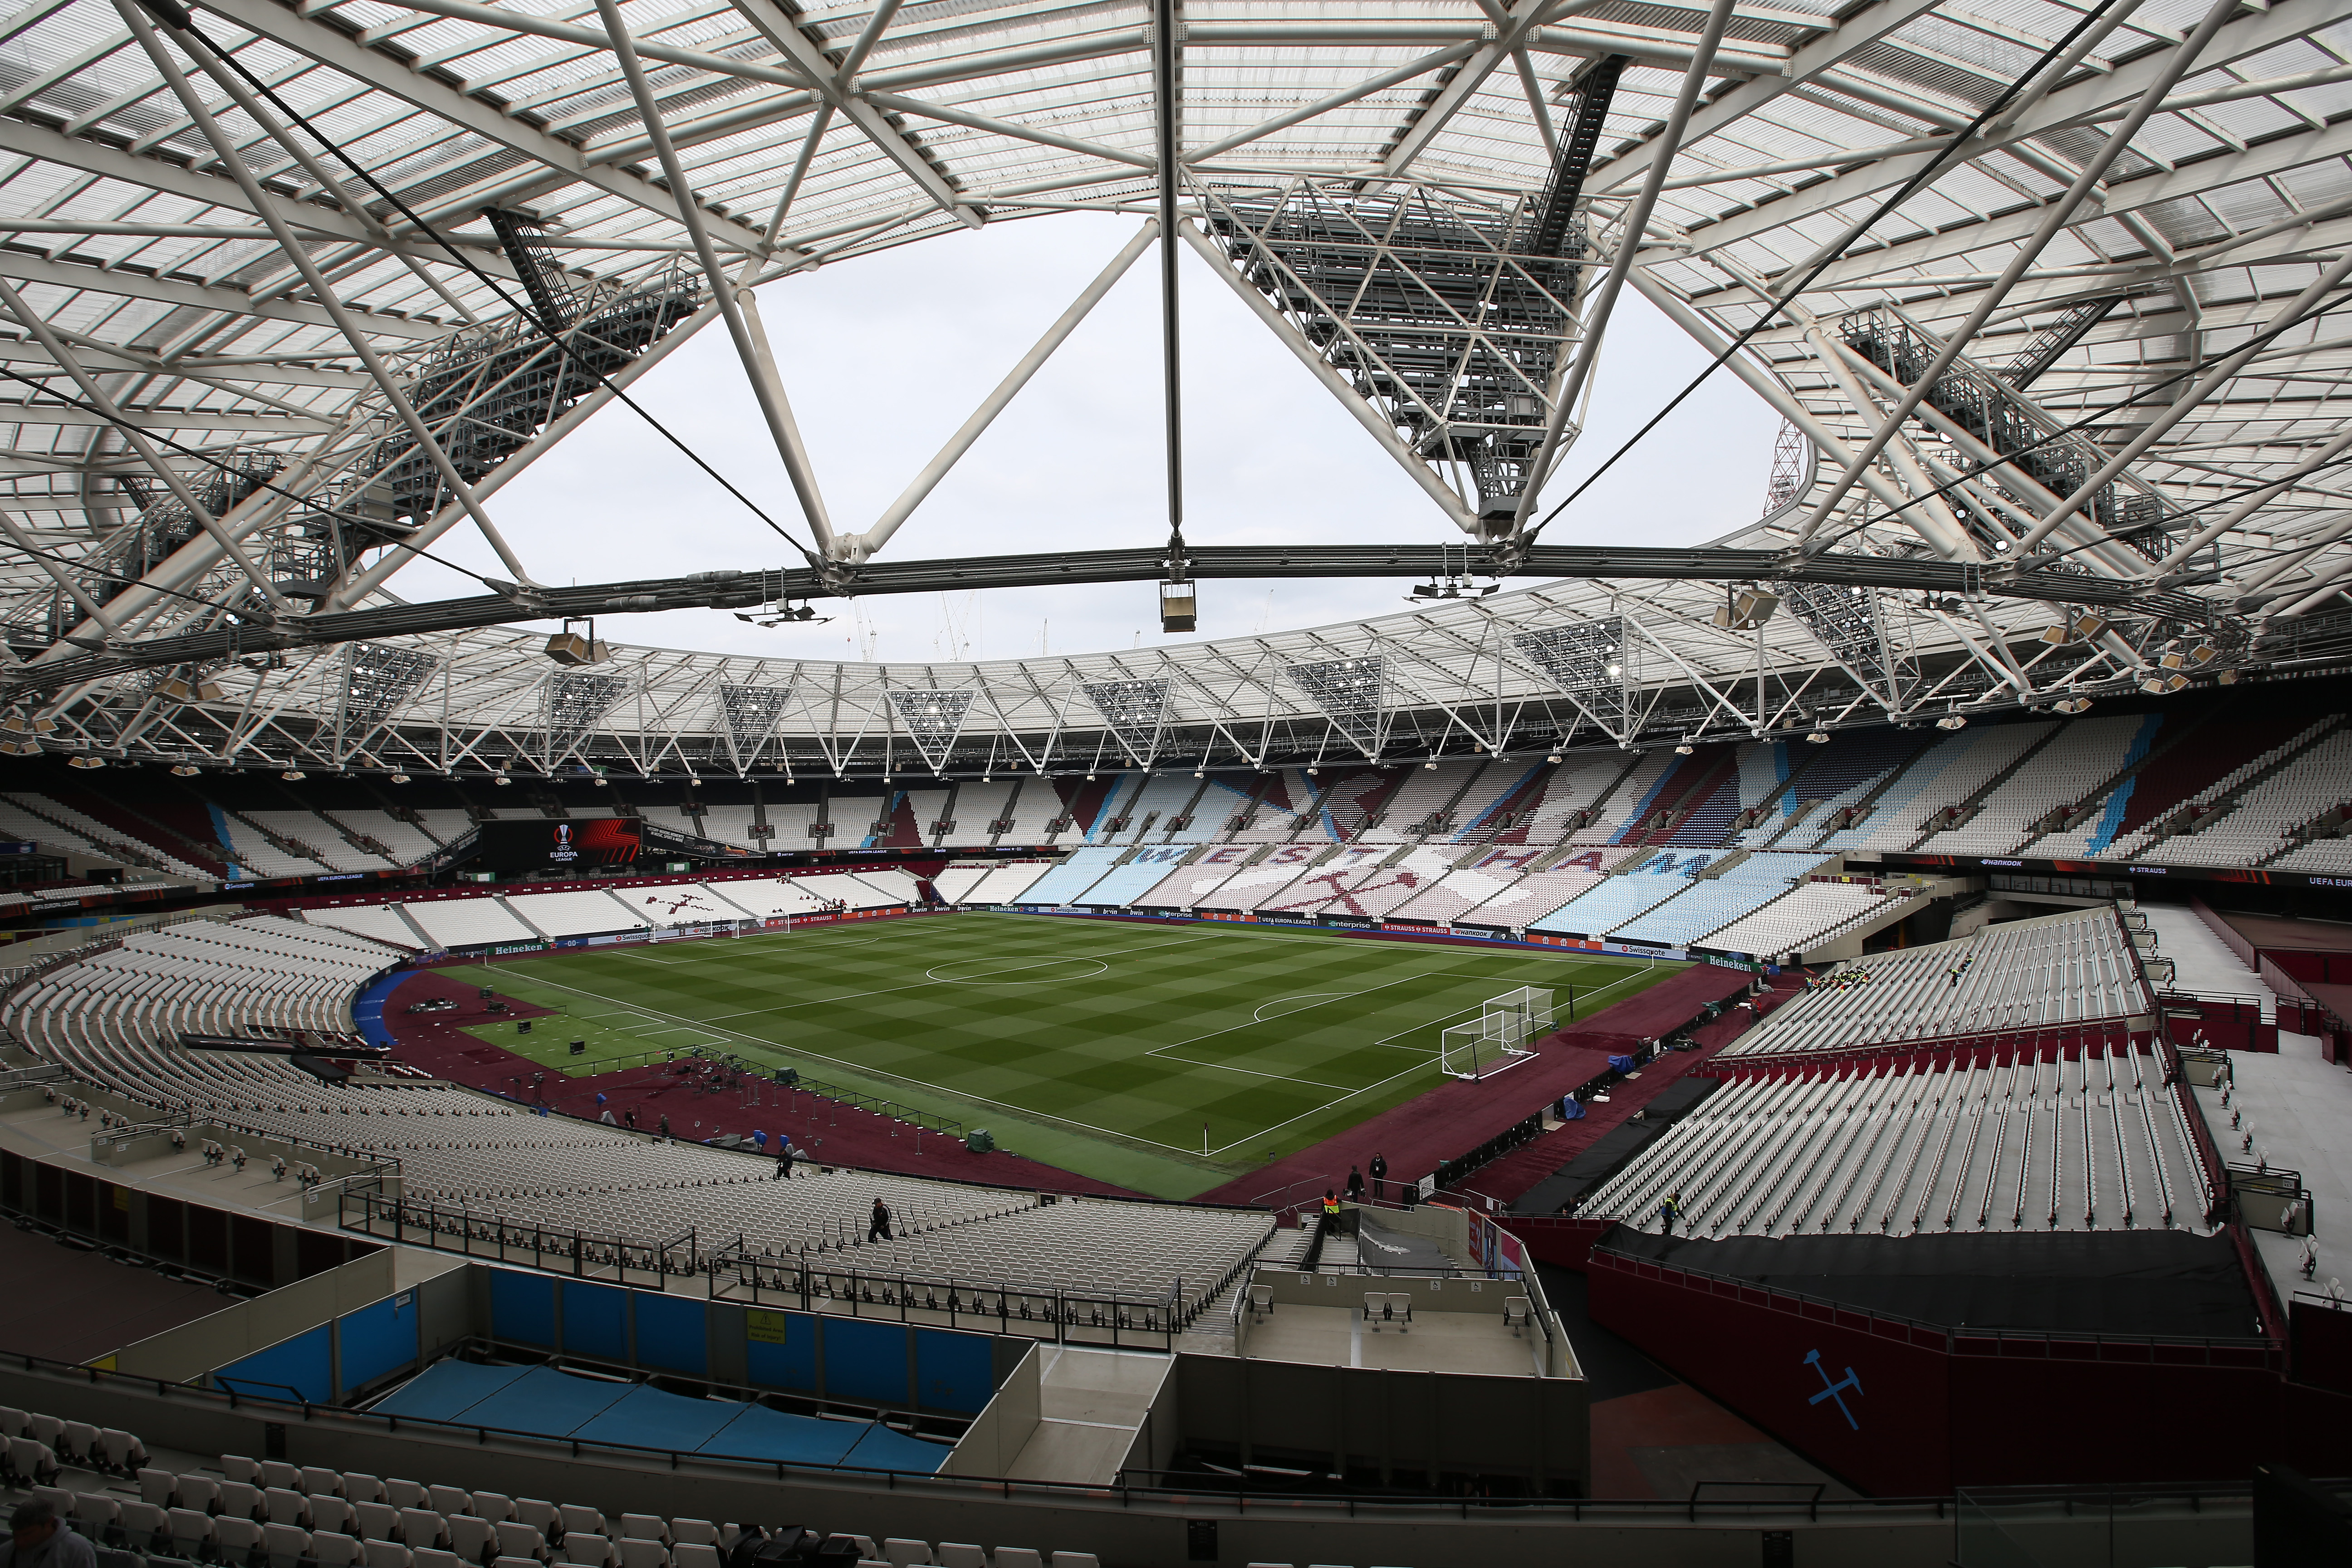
{"x": 1036, "y": 1311}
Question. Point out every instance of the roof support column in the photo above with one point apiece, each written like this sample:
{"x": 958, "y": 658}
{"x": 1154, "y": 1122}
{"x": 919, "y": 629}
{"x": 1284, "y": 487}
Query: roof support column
{"x": 137, "y": 438}
{"x": 2190, "y": 401}
{"x": 2028, "y": 252}
{"x": 328, "y": 298}
{"x": 867, "y": 544}
{"x": 1630, "y": 228}
{"x": 737, "y": 307}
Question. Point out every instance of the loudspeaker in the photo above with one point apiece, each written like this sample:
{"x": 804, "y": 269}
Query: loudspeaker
{"x": 579, "y": 1048}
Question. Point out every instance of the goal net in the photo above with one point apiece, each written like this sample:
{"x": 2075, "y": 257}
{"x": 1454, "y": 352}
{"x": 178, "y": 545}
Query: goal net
{"x": 1502, "y": 1035}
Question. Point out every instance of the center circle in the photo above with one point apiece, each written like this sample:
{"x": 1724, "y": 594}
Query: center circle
{"x": 1043, "y": 971}
{"x": 1282, "y": 1008}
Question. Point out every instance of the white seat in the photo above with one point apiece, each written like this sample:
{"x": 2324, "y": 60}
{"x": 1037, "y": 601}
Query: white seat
{"x": 359, "y": 1488}
{"x": 278, "y": 1473}
{"x": 332, "y": 1514}
{"x": 157, "y": 1487}
{"x": 198, "y": 1492}
{"x": 285, "y": 1544}
{"x": 236, "y": 1540}
{"x": 514, "y": 1563}
{"x": 318, "y": 1481}
{"x": 432, "y": 1559}
{"x": 592, "y": 1551}
{"x": 961, "y": 1555}
{"x": 495, "y": 1507}
{"x": 1074, "y": 1560}
{"x": 97, "y": 1510}
{"x": 402, "y": 1494}
{"x": 694, "y": 1554}
{"x": 539, "y": 1516}
{"x": 286, "y": 1506}
{"x": 243, "y": 1499}
{"x": 471, "y": 1538}
{"x": 123, "y": 1451}
{"x": 449, "y": 1500}
{"x": 575, "y": 1518}
{"x": 517, "y": 1539}
{"x": 639, "y": 1553}
{"x": 237, "y": 1467}
{"x": 12, "y": 1421}
{"x": 375, "y": 1520}
{"x": 1018, "y": 1557}
{"x": 143, "y": 1524}
{"x": 644, "y": 1527}
{"x": 694, "y": 1532}
{"x": 192, "y": 1531}
{"x": 422, "y": 1529}
{"x": 386, "y": 1555}
{"x": 905, "y": 1553}
{"x": 332, "y": 1549}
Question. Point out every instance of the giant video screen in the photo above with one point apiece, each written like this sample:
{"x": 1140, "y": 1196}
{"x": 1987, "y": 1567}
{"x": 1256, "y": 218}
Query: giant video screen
{"x": 560, "y": 845}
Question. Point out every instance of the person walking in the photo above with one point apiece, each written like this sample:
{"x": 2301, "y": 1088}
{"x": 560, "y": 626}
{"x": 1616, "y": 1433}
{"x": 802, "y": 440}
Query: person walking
{"x": 629, "y": 1119}
{"x": 1330, "y": 1211}
{"x": 783, "y": 1159}
{"x": 1670, "y": 1211}
{"x": 665, "y": 1124}
{"x": 1380, "y": 1169}
{"x": 878, "y": 1228}
{"x": 1355, "y": 1185}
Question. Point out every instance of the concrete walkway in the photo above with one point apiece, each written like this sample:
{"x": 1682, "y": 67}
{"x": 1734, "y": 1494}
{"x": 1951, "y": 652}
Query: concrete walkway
{"x": 2298, "y": 1109}
{"x": 2202, "y": 963}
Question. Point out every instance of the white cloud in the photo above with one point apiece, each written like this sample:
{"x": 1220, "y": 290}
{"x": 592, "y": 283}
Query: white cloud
{"x": 886, "y": 356}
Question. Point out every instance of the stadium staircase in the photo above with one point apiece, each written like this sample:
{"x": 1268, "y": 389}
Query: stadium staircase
{"x": 1959, "y": 813}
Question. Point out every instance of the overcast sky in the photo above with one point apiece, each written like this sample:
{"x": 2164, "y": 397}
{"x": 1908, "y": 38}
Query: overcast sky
{"x": 884, "y": 357}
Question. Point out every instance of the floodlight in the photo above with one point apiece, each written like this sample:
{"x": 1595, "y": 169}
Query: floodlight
{"x": 1819, "y": 738}
{"x": 1951, "y": 722}
{"x": 1429, "y": 765}
{"x": 1684, "y": 749}
{"x": 503, "y": 779}
{"x": 2227, "y": 678}
{"x": 1315, "y": 770}
{"x": 1747, "y": 610}
{"x": 293, "y": 775}
{"x": 84, "y": 762}
{"x": 400, "y": 778}
{"x": 1615, "y": 669}
{"x": 20, "y": 747}
{"x": 2160, "y": 684}
{"x": 1553, "y": 758}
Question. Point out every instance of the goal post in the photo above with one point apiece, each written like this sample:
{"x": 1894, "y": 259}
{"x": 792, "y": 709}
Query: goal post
{"x": 1503, "y": 1035}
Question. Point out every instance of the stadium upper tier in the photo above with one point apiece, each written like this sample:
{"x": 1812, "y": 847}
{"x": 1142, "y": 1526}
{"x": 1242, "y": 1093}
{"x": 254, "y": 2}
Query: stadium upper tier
{"x": 298, "y": 290}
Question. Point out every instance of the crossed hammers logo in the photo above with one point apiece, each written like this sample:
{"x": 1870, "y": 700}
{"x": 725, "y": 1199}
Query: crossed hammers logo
{"x": 1834, "y": 1391}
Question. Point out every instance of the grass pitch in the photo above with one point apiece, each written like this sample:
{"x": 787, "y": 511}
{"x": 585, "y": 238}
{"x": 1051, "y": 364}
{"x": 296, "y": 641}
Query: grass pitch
{"x": 1105, "y": 1048}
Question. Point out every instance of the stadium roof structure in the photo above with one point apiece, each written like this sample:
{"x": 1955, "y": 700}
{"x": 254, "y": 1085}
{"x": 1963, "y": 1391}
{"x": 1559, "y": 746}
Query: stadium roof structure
{"x": 2051, "y": 297}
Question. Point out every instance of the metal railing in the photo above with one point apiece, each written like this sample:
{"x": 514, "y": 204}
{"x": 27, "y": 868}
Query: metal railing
{"x": 1037, "y": 1311}
{"x": 585, "y": 1254}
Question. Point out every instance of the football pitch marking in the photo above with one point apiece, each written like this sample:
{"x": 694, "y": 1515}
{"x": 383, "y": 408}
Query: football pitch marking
{"x": 984, "y": 977}
{"x": 1313, "y": 998}
{"x": 1342, "y": 1097}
